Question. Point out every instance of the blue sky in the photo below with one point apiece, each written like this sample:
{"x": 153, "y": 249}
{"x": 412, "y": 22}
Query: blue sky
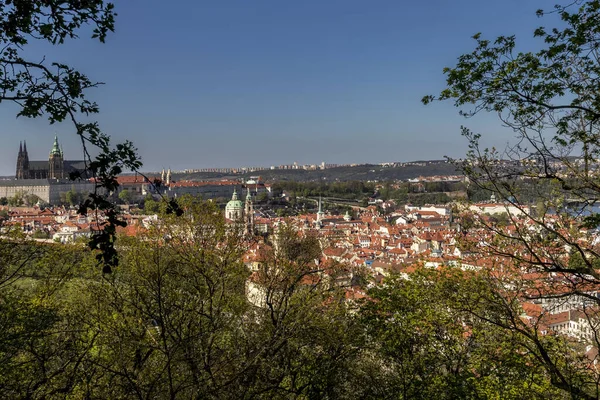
{"x": 234, "y": 82}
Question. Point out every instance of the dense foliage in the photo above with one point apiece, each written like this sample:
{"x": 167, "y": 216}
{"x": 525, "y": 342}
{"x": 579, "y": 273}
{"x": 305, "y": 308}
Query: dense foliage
{"x": 178, "y": 320}
{"x": 549, "y": 99}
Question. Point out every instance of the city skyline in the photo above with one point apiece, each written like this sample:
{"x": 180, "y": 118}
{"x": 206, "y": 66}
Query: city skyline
{"x": 37, "y": 154}
{"x": 340, "y": 82}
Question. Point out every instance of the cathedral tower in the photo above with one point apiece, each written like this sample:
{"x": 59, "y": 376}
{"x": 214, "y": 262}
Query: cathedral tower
{"x": 56, "y": 168}
{"x": 22, "y": 162}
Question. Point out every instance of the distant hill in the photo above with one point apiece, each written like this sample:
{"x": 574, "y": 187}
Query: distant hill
{"x": 370, "y": 172}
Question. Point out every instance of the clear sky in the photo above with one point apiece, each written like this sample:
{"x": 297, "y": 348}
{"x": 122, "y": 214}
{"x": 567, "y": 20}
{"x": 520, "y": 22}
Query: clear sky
{"x": 235, "y": 82}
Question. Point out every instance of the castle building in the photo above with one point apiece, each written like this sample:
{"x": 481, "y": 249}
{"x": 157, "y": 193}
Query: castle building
{"x": 55, "y": 168}
{"x": 45, "y": 179}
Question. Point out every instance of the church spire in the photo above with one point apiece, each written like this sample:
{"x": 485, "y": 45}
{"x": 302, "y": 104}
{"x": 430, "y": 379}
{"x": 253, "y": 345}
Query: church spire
{"x": 20, "y": 147}
{"x": 249, "y": 213}
{"x": 320, "y": 213}
{"x": 55, "y": 147}
{"x": 25, "y": 146}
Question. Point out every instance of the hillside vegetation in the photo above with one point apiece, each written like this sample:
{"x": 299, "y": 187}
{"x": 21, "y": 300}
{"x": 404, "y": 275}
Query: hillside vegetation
{"x": 356, "y": 173}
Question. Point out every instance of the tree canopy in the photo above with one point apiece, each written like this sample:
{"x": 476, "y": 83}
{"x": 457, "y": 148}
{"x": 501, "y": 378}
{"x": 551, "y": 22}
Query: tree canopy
{"x": 58, "y": 92}
{"x": 549, "y": 99}
{"x": 184, "y": 317}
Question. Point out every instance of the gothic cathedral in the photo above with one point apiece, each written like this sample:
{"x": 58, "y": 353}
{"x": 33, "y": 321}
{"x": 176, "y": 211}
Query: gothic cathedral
{"x": 55, "y": 168}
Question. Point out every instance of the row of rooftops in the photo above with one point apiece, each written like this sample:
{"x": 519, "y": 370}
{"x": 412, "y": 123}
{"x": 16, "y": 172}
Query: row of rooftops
{"x": 380, "y": 246}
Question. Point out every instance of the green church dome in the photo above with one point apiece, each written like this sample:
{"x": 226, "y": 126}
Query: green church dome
{"x": 234, "y": 203}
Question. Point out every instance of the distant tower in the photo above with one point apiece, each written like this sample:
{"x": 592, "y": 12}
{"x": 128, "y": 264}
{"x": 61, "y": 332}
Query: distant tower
{"x": 347, "y": 217}
{"x": 320, "y": 214}
{"x": 249, "y": 214}
{"x": 26, "y": 160}
{"x": 22, "y": 162}
{"x": 168, "y": 181}
{"x": 56, "y": 168}
{"x": 162, "y": 175}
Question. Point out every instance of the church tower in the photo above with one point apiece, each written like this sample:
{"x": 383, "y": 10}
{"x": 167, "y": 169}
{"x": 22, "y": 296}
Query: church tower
{"x": 22, "y": 162}
{"x": 320, "y": 215}
{"x": 56, "y": 168}
{"x": 249, "y": 214}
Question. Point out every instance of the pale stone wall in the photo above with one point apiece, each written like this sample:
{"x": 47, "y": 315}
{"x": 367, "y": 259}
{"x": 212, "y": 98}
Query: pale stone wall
{"x": 47, "y": 190}
{"x": 39, "y": 187}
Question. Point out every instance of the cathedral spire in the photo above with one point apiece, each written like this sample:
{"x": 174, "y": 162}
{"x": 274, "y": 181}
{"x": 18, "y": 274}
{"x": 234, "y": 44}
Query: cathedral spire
{"x": 55, "y": 147}
{"x": 22, "y": 162}
{"x": 56, "y": 167}
{"x": 25, "y": 146}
